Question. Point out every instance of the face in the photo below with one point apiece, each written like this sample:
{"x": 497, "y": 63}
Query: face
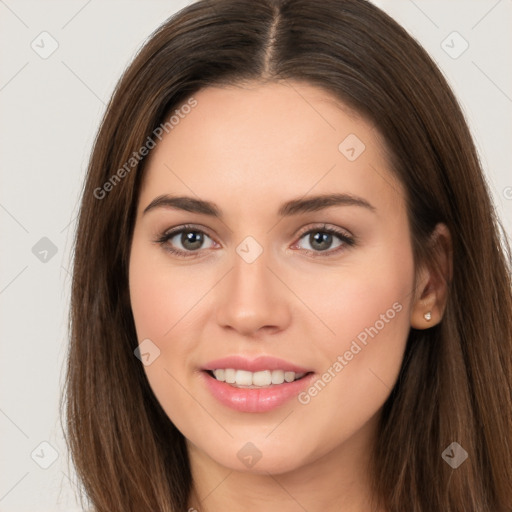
{"x": 275, "y": 316}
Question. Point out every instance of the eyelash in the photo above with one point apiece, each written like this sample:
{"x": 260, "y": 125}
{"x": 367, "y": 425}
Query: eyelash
{"x": 344, "y": 238}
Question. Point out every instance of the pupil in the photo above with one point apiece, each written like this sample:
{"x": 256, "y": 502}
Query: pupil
{"x": 192, "y": 240}
{"x": 319, "y": 238}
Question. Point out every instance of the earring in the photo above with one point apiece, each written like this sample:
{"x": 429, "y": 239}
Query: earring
{"x": 428, "y": 316}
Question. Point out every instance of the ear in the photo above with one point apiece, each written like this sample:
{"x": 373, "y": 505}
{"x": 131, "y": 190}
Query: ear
{"x": 433, "y": 280}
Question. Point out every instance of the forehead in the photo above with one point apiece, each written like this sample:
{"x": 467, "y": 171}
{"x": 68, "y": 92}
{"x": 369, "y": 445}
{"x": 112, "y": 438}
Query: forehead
{"x": 257, "y": 141}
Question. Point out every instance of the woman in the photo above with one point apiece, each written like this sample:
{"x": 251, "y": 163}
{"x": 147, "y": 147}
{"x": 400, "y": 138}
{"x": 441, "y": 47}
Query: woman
{"x": 289, "y": 290}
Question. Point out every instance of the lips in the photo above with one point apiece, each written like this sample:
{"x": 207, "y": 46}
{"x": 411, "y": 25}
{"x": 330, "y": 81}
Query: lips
{"x": 258, "y": 364}
{"x": 255, "y": 398}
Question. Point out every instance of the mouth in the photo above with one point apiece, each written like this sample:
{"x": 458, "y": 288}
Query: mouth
{"x": 244, "y": 379}
{"x": 254, "y": 385}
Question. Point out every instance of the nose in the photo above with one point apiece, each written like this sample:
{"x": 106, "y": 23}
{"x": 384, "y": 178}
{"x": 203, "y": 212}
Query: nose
{"x": 252, "y": 298}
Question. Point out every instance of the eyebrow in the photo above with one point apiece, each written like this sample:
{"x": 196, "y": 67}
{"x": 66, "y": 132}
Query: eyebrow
{"x": 292, "y": 207}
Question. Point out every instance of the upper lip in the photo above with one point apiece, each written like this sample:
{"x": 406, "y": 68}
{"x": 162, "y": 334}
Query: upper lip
{"x": 257, "y": 364}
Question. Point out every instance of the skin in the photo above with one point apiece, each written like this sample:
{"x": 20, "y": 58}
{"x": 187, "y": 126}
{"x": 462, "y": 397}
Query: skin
{"x": 249, "y": 149}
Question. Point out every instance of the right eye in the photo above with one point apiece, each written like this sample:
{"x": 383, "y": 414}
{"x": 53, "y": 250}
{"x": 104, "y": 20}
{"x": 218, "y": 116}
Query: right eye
{"x": 190, "y": 238}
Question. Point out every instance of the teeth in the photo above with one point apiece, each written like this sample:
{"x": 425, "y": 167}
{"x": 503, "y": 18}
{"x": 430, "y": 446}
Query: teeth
{"x": 243, "y": 378}
{"x": 263, "y": 378}
{"x": 277, "y": 376}
{"x": 289, "y": 376}
{"x": 220, "y": 375}
{"x": 229, "y": 375}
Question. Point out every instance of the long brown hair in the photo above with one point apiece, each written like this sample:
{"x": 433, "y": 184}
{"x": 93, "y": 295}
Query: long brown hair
{"x": 456, "y": 379}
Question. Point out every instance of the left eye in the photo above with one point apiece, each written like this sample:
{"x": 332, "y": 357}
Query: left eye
{"x": 321, "y": 240}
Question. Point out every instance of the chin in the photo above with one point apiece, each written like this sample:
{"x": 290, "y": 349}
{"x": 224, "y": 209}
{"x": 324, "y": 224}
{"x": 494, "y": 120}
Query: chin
{"x": 259, "y": 456}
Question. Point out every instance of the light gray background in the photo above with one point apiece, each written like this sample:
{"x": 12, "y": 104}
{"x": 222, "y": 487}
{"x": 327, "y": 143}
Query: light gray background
{"x": 51, "y": 109}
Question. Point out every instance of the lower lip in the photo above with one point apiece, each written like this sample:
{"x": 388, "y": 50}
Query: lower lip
{"x": 255, "y": 400}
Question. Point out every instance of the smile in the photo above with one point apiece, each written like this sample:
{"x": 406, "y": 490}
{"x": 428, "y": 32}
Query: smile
{"x": 253, "y": 385}
{"x": 255, "y": 380}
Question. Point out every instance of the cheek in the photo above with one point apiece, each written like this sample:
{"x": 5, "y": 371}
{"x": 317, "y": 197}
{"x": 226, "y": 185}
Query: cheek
{"x": 166, "y": 306}
{"x": 162, "y": 297}
{"x": 160, "y": 300}
{"x": 368, "y": 313}
{"x": 352, "y": 297}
